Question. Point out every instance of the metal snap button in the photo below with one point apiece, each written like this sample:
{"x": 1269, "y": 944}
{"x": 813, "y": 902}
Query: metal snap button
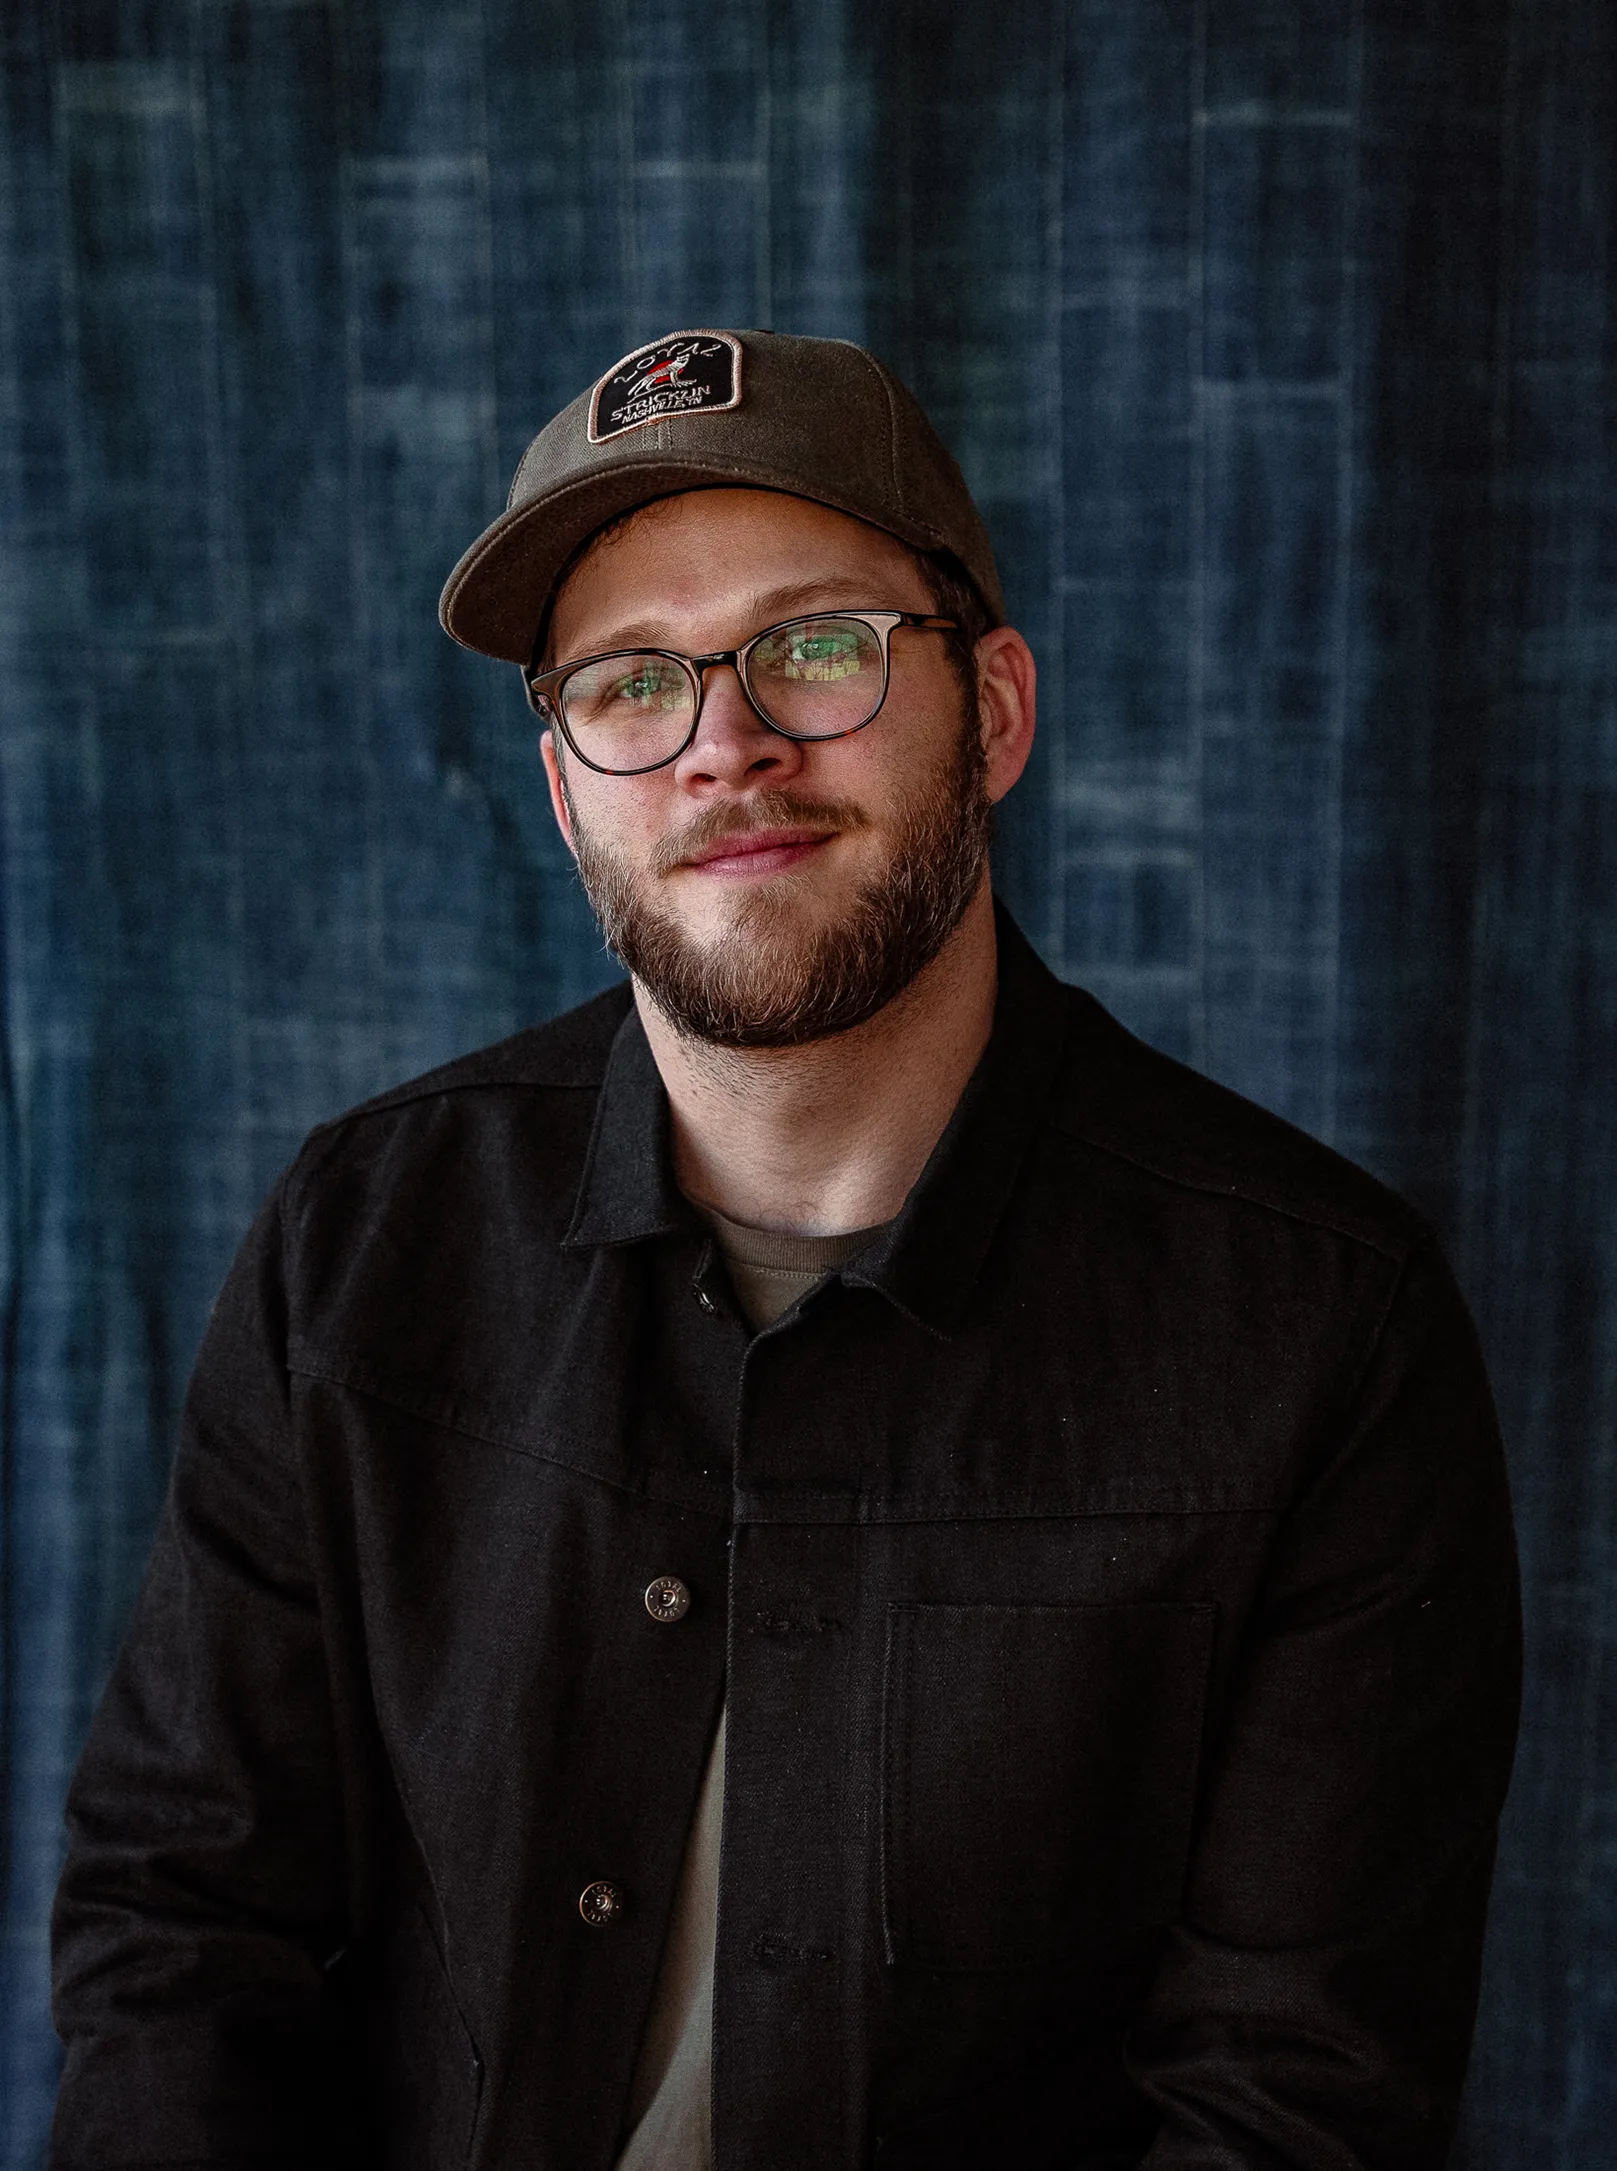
{"x": 667, "y": 1599}
{"x": 600, "y": 1904}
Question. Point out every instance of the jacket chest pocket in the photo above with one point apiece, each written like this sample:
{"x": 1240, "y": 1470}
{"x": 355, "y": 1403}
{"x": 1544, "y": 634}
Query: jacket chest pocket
{"x": 1039, "y": 1776}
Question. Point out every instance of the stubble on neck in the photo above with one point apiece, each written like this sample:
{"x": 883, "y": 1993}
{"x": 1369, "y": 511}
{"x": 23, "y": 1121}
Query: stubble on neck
{"x": 831, "y": 1134}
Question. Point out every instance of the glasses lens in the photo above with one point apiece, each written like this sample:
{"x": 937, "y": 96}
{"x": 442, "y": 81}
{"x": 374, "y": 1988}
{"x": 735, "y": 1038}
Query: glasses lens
{"x": 628, "y": 712}
{"x": 817, "y": 677}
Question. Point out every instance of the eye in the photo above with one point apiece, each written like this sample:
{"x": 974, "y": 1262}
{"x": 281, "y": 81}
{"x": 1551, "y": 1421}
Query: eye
{"x": 819, "y": 652}
{"x": 649, "y": 683}
{"x": 822, "y": 655}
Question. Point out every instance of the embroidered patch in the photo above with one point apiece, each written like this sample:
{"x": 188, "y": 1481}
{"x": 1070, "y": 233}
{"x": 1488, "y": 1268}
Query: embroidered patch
{"x": 687, "y": 373}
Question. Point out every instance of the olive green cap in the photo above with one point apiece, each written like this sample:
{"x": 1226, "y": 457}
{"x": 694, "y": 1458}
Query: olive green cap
{"x": 711, "y": 410}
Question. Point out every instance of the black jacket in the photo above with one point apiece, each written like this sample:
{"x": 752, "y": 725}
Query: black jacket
{"x": 1110, "y": 1571}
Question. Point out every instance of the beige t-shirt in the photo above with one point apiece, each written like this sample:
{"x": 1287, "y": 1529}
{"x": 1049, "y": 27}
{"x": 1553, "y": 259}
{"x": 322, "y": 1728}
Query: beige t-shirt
{"x": 669, "y": 2103}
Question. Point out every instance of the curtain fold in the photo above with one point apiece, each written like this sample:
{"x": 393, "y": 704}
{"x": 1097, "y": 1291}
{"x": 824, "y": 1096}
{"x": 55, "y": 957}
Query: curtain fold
{"x": 1278, "y": 339}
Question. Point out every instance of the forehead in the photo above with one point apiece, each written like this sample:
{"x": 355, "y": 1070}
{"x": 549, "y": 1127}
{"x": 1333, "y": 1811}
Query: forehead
{"x": 685, "y": 562}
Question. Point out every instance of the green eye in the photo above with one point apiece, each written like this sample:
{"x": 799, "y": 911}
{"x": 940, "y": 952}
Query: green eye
{"x": 823, "y": 656}
{"x": 819, "y": 654}
{"x": 624, "y": 693}
{"x": 649, "y": 685}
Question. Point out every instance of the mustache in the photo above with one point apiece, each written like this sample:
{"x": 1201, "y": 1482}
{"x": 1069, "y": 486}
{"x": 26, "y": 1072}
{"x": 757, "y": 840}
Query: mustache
{"x": 763, "y": 810}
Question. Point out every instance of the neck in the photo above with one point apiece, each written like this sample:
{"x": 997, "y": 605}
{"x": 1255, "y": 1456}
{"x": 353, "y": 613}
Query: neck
{"x": 831, "y": 1136}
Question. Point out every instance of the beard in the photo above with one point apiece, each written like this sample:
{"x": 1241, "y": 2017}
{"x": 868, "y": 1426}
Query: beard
{"x": 769, "y": 981}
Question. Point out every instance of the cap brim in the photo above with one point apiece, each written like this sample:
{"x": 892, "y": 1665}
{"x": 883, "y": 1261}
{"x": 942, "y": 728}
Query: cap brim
{"x": 496, "y": 598}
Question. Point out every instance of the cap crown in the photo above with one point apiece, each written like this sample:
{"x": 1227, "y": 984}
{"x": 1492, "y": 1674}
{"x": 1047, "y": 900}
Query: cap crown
{"x": 821, "y": 418}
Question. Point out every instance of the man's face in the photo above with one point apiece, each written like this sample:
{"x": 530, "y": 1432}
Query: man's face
{"x": 767, "y": 891}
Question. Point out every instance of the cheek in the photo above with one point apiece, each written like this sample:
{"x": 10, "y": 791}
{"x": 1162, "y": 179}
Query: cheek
{"x": 615, "y": 816}
{"x": 898, "y": 753}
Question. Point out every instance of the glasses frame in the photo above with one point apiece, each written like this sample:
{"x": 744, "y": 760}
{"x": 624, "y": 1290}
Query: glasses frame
{"x": 544, "y": 688}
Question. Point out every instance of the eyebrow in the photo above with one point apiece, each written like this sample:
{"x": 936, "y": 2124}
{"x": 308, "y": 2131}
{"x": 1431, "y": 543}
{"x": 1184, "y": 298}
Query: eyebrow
{"x": 764, "y": 607}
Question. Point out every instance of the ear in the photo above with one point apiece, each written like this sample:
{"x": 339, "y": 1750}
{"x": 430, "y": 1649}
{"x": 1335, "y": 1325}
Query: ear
{"x": 1006, "y": 682}
{"x": 558, "y": 790}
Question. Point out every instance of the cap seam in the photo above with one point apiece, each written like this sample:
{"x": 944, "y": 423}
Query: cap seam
{"x": 885, "y": 382}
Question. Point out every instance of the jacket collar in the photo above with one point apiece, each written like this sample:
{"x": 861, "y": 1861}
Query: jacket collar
{"x": 628, "y": 1189}
{"x": 929, "y": 1260}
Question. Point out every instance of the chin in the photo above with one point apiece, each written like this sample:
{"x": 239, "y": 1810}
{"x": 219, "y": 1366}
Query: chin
{"x": 790, "y": 906}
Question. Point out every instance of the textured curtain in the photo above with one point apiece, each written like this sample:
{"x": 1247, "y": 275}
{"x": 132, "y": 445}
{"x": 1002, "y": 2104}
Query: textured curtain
{"x": 1278, "y": 339}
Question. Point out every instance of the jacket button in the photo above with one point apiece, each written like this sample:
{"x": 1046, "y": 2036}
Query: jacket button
{"x": 667, "y": 1599}
{"x": 600, "y": 1904}
{"x": 705, "y": 1301}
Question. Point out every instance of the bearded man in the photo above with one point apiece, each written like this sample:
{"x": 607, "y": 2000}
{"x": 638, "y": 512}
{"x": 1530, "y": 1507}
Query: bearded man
{"x": 826, "y": 1561}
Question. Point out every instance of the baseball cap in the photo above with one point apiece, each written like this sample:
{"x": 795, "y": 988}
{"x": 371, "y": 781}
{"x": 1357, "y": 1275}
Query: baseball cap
{"x": 696, "y": 410}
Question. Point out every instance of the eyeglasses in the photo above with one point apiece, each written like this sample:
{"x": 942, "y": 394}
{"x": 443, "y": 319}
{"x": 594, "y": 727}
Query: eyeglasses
{"x": 638, "y": 708}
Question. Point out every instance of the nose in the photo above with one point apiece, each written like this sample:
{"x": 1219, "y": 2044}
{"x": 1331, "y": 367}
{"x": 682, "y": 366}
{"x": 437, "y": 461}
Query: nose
{"x": 733, "y": 745}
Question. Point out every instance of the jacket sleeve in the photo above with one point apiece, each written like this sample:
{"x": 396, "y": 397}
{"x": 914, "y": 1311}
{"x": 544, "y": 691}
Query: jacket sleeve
{"x": 1315, "y": 2005}
{"x": 203, "y": 1900}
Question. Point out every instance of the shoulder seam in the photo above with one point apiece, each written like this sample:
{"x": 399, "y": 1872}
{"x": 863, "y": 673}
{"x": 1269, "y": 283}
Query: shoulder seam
{"x": 404, "y": 1096}
{"x": 1291, "y": 1210}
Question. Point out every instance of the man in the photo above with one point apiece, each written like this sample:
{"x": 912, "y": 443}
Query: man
{"x": 840, "y": 1392}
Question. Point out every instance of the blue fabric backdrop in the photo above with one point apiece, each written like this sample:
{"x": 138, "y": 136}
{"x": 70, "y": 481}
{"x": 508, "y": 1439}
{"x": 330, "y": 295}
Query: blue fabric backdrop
{"x": 1279, "y": 341}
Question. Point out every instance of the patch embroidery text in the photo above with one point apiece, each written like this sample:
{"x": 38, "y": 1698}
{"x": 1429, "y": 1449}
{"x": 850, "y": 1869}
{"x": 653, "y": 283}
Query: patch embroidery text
{"x": 687, "y": 373}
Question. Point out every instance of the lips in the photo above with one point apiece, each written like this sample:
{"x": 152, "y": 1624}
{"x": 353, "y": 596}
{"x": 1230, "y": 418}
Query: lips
{"x": 758, "y": 851}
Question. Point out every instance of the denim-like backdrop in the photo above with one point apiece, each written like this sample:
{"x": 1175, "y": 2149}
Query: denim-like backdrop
{"x": 1279, "y": 341}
